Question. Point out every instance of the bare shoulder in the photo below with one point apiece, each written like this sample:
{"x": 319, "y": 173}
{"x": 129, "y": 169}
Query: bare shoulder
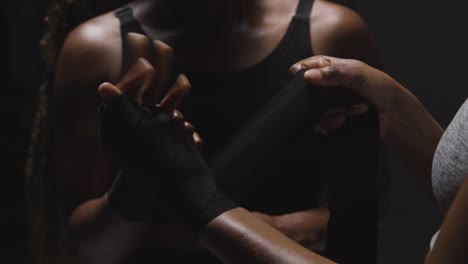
{"x": 337, "y": 30}
{"x": 336, "y": 16}
{"x": 90, "y": 53}
{"x": 90, "y": 56}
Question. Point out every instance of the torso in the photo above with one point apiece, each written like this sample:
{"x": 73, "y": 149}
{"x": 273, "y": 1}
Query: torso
{"x": 232, "y": 67}
{"x": 232, "y": 77}
{"x": 249, "y": 48}
{"x": 224, "y": 99}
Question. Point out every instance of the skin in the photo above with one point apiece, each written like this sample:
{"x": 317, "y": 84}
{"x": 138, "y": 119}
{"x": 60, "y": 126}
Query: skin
{"x": 246, "y": 33}
{"x": 453, "y": 237}
{"x": 237, "y": 236}
{"x": 253, "y": 242}
{"x": 404, "y": 122}
{"x": 94, "y": 224}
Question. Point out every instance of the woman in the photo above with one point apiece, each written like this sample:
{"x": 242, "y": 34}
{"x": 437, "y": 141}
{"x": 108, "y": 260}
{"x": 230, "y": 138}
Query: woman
{"x": 236, "y": 236}
{"x": 227, "y": 44}
{"x": 438, "y": 158}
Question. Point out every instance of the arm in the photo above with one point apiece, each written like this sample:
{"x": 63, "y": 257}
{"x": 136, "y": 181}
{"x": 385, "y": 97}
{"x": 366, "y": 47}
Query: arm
{"x": 414, "y": 134}
{"x": 232, "y": 233}
{"x": 307, "y": 228}
{"x": 84, "y": 172}
{"x": 98, "y": 235}
{"x": 405, "y": 124}
{"x": 335, "y": 31}
{"x": 453, "y": 237}
{"x": 236, "y": 236}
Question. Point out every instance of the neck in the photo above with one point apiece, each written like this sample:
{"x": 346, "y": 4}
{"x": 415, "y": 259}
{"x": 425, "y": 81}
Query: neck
{"x": 211, "y": 14}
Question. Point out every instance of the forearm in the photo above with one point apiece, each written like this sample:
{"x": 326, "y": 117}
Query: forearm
{"x": 98, "y": 235}
{"x": 451, "y": 245}
{"x": 238, "y": 237}
{"x": 305, "y": 227}
{"x": 414, "y": 134}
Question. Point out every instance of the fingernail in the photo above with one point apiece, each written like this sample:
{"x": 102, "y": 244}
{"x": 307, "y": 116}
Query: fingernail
{"x": 296, "y": 68}
{"x": 104, "y": 84}
{"x": 313, "y": 74}
{"x": 182, "y": 78}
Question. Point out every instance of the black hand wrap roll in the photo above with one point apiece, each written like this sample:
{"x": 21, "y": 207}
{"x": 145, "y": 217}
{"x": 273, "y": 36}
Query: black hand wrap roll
{"x": 295, "y": 104}
{"x": 351, "y": 152}
{"x": 159, "y": 163}
{"x": 352, "y": 188}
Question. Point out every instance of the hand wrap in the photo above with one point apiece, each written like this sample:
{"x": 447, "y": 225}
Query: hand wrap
{"x": 157, "y": 162}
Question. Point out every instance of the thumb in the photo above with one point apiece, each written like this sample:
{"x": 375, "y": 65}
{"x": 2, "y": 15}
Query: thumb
{"x": 334, "y": 76}
{"x": 107, "y": 91}
{"x": 328, "y": 71}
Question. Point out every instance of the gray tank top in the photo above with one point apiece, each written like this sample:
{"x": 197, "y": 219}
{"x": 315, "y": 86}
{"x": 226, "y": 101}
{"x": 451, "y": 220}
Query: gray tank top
{"x": 450, "y": 164}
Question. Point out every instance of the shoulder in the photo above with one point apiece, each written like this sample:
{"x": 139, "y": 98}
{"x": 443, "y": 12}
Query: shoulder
{"x": 90, "y": 55}
{"x": 337, "y": 30}
{"x": 336, "y": 19}
{"x": 91, "y": 52}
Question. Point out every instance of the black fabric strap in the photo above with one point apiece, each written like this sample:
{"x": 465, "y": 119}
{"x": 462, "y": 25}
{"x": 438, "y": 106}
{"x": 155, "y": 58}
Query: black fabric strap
{"x": 159, "y": 166}
{"x": 304, "y": 8}
{"x": 293, "y": 108}
{"x": 128, "y": 24}
{"x": 352, "y": 153}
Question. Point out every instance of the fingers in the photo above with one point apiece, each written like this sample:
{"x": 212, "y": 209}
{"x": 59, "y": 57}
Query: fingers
{"x": 139, "y": 72}
{"x": 178, "y": 119}
{"x": 162, "y": 60}
{"x": 183, "y": 127}
{"x": 315, "y": 62}
{"x": 335, "y": 119}
{"x": 159, "y": 56}
{"x": 138, "y": 50}
{"x": 179, "y": 90}
{"x": 140, "y": 78}
{"x": 151, "y": 66}
{"x": 186, "y": 130}
{"x": 197, "y": 141}
{"x": 107, "y": 91}
{"x": 139, "y": 46}
{"x": 327, "y": 71}
{"x": 332, "y": 72}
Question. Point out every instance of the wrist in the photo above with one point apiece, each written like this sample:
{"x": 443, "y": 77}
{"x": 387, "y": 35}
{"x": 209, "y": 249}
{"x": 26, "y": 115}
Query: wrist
{"x": 411, "y": 125}
{"x": 414, "y": 135}
{"x": 313, "y": 219}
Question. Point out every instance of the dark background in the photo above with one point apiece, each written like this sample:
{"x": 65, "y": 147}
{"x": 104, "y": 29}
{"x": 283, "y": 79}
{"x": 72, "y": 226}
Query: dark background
{"x": 422, "y": 44}
{"x": 24, "y": 23}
